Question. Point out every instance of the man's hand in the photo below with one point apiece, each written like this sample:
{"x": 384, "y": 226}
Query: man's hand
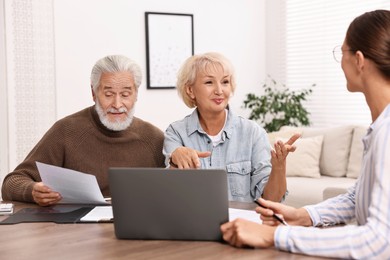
{"x": 44, "y": 196}
{"x": 244, "y": 233}
{"x": 187, "y": 158}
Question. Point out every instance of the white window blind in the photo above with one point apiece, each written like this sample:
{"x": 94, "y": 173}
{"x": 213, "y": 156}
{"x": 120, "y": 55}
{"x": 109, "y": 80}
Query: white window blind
{"x": 312, "y": 30}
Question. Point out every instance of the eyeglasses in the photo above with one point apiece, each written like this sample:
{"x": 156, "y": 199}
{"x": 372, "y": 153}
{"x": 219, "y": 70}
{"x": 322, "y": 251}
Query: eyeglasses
{"x": 338, "y": 52}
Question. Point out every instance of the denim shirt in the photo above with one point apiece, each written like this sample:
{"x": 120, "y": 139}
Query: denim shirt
{"x": 244, "y": 152}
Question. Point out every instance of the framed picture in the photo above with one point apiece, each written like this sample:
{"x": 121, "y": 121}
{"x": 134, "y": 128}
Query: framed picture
{"x": 169, "y": 42}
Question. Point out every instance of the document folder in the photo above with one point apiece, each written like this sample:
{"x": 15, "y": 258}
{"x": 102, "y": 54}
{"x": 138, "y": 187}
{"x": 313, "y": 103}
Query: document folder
{"x": 57, "y": 214}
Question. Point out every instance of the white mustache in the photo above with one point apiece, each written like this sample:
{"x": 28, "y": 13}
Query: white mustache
{"x": 113, "y": 110}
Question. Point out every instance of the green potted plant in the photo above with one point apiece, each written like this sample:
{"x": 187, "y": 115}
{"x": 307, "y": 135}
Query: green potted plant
{"x": 278, "y": 106}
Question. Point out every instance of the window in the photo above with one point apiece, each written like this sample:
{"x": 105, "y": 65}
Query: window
{"x": 312, "y": 30}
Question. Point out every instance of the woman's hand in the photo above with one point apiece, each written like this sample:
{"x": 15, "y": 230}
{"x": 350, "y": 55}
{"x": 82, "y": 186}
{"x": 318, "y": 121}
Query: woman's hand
{"x": 291, "y": 215}
{"x": 281, "y": 150}
{"x": 276, "y": 187}
{"x": 244, "y": 233}
{"x": 187, "y": 158}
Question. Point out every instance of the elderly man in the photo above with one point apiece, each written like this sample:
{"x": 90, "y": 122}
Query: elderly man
{"x": 93, "y": 139}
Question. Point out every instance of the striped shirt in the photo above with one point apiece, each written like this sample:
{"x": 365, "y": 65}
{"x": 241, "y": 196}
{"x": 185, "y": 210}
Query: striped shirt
{"x": 367, "y": 202}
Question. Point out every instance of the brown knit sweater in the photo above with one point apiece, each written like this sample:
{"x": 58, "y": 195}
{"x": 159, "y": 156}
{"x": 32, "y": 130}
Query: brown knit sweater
{"x": 82, "y": 143}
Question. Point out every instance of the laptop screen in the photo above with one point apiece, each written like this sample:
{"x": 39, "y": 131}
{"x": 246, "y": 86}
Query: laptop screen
{"x": 160, "y": 203}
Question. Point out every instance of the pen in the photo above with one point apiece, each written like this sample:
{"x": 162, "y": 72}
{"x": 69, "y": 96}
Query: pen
{"x": 274, "y": 215}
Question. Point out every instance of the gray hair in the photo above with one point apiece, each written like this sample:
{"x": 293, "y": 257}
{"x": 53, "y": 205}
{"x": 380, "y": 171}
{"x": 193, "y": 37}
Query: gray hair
{"x": 112, "y": 64}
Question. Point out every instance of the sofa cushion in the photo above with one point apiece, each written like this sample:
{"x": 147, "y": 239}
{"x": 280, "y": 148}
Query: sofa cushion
{"x": 307, "y": 191}
{"x": 356, "y": 154}
{"x": 305, "y": 161}
{"x": 331, "y": 192}
{"x": 335, "y": 149}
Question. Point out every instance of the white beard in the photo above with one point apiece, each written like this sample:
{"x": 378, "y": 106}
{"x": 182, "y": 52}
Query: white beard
{"x": 118, "y": 125}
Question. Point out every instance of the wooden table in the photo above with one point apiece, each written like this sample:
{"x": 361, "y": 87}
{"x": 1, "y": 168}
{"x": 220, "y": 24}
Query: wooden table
{"x": 97, "y": 241}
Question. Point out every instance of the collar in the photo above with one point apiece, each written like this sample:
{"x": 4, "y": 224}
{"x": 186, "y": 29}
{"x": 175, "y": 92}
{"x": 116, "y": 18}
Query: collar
{"x": 193, "y": 124}
{"x": 385, "y": 114}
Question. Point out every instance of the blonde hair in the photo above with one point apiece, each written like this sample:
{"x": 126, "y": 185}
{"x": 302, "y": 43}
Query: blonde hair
{"x": 198, "y": 64}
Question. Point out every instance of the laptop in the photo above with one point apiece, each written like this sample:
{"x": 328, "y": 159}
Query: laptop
{"x": 168, "y": 204}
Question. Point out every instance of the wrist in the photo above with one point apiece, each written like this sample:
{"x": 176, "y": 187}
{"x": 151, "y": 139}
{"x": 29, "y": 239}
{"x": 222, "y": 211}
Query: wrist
{"x": 304, "y": 217}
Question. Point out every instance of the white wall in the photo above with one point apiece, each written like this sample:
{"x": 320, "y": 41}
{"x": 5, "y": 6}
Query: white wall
{"x": 90, "y": 29}
{"x": 48, "y": 47}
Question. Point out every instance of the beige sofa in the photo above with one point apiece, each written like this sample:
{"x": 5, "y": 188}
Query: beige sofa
{"x": 326, "y": 163}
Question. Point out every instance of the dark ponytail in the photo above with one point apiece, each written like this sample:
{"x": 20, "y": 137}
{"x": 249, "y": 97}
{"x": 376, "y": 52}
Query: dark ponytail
{"x": 370, "y": 34}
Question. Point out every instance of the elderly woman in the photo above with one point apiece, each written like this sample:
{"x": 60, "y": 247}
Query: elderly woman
{"x": 214, "y": 137}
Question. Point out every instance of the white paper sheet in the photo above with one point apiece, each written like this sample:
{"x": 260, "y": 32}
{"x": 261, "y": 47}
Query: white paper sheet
{"x": 250, "y": 215}
{"x": 75, "y": 187}
{"x": 104, "y": 213}
{"x": 99, "y": 214}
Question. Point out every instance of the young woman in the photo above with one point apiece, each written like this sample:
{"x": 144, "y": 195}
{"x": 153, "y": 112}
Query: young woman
{"x": 366, "y": 65}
